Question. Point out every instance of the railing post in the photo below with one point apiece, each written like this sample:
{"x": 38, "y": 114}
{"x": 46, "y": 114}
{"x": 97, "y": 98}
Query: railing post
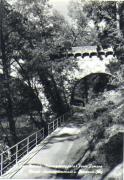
{"x": 60, "y": 120}
{"x": 57, "y": 122}
{"x": 48, "y": 129}
{"x": 36, "y": 138}
{"x": 16, "y": 153}
{"x": 27, "y": 144}
{"x": 53, "y": 125}
{"x": 63, "y": 118}
{"x": 71, "y": 111}
{"x": 1, "y": 166}
{"x": 43, "y": 133}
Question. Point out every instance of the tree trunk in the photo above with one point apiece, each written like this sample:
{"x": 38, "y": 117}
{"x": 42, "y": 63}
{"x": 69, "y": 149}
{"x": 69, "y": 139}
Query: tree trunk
{"x": 7, "y": 89}
{"x": 52, "y": 93}
{"x": 34, "y": 93}
{"x": 118, "y": 18}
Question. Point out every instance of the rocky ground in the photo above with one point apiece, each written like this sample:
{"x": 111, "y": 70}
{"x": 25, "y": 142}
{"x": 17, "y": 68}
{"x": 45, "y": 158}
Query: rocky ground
{"x": 105, "y": 133}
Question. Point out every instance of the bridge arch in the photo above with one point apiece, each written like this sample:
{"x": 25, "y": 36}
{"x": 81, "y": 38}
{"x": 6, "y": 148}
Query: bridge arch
{"x": 90, "y": 86}
{"x": 90, "y": 54}
{"x": 93, "y": 54}
{"x": 85, "y": 54}
{"x": 77, "y": 54}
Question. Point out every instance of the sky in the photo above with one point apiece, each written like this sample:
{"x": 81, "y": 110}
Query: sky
{"x": 61, "y": 6}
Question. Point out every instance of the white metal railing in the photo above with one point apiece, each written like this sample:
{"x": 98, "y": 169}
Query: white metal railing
{"x": 57, "y": 122}
{"x": 12, "y": 155}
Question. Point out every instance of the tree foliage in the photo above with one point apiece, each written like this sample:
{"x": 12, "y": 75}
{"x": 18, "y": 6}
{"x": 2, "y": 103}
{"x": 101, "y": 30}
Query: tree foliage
{"x": 29, "y": 35}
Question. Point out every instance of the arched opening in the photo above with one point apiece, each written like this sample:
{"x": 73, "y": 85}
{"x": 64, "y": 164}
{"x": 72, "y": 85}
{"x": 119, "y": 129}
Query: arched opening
{"x": 70, "y": 55}
{"x": 77, "y": 55}
{"x": 101, "y": 53}
{"x": 109, "y": 53}
{"x": 90, "y": 87}
{"x": 85, "y": 54}
{"x": 93, "y": 54}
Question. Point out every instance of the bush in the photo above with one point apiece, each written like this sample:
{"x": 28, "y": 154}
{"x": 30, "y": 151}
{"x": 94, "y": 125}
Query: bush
{"x": 114, "y": 150}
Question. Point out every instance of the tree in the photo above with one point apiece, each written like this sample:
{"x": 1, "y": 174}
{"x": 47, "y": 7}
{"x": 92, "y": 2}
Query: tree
{"x": 5, "y": 59}
{"x": 83, "y": 30}
{"x": 49, "y": 38}
{"x": 106, "y": 17}
{"x": 15, "y": 37}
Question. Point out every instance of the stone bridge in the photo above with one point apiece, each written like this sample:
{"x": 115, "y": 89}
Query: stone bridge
{"x": 88, "y": 64}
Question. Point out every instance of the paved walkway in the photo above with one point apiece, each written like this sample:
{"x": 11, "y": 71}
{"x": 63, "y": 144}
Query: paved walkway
{"x": 60, "y": 150}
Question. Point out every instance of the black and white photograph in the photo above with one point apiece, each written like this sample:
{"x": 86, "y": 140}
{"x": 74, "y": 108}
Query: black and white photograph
{"x": 62, "y": 89}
